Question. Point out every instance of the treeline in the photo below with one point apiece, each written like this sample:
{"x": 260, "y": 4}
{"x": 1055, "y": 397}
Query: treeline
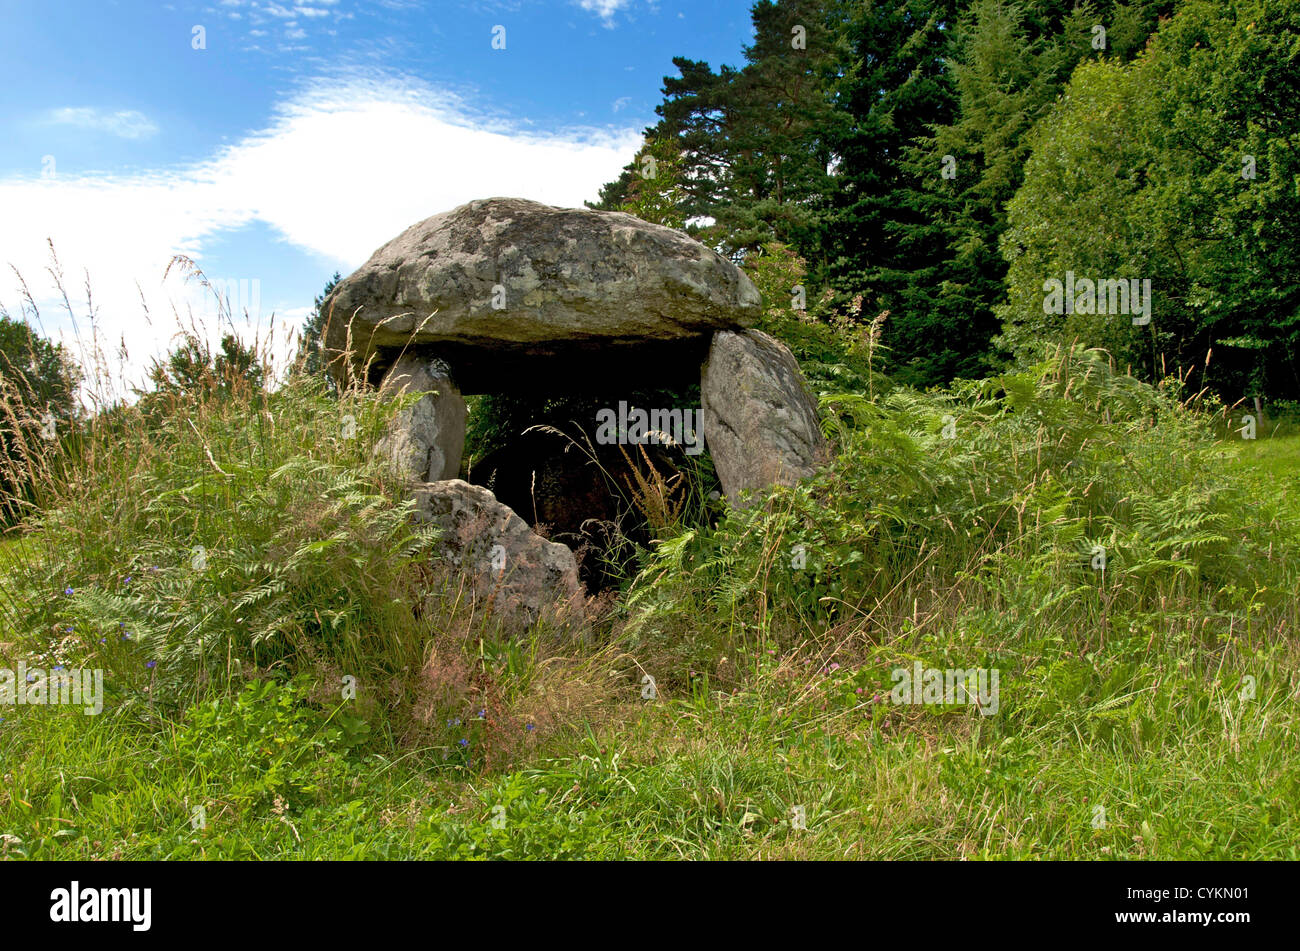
{"x": 943, "y": 162}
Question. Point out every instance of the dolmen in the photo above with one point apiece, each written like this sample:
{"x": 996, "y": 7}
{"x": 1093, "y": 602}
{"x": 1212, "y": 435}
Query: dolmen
{"x": 505, "y": 295}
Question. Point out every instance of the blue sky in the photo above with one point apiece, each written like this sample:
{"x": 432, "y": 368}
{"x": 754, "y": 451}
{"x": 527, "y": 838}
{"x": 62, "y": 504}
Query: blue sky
{"x": 302, "y": 135}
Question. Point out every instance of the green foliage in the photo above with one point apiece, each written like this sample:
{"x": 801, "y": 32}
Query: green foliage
{"x": 943, "y": 96}
{"x": 1039, "y": 466}
{"x": 879, "y": 232}
{"x": 651, "y": 186}
{"x": 750, "y": 146}
{"x": 227, "y": 551}
{"x": 192, "y": 368}
{"x": 262, "y": 744}
{"x": 35, "y": 373}
{"x": 773, "y": 679}
{"x": 38, "y": 386}
{"x": 222, "y": 535}
{"x": 836, "y": 350}
{"x": 1138, "y": 173}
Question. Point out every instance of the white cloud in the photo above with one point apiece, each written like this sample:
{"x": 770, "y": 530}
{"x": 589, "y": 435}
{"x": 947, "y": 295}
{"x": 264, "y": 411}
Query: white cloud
{"x": 126, "y": 123}
{"x": 605, "y": 9}
{"x": 339, "y": 171}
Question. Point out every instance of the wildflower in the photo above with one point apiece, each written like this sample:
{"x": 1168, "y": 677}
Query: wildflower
{"x": 103, "y": 640}
{"x": 482, "y": 714}
{"x": 530, "y": 727}
{"x": 152, "y": 664}
{"x": 68, "y": 591}
{"x": 464, "y": 742}
{"x": 454, "y": 721}
{"x": 834, "y": 667}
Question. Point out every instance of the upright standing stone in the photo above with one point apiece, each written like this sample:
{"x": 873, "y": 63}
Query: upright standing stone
{"x": 760, "y": 421}
{"x": 425, "y": 441}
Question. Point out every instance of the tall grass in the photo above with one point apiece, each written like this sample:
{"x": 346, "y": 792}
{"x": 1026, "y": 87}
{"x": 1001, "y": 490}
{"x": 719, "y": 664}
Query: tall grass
{"x": 1040, "y": 471}
{"x": 229, "y": 552}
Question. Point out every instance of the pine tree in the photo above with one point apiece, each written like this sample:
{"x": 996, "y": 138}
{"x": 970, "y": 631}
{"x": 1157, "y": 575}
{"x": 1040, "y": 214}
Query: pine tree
{"x": 947, "y": 117}
{"x": 753, "y": 144}
{"x": 885, "y": 241}
{"x": 313, "y": 361}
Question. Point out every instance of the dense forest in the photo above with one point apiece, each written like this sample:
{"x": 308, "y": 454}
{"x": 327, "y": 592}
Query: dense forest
{"x": 939, "y": 162}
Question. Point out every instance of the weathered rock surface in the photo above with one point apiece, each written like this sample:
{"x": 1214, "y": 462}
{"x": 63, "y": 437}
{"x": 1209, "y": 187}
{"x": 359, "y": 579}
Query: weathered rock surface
{"x": 760, "y": 420}
{"x": 426, "y": 440}
{"x": 514, "y": 572}
{"x": 515, "y": 278}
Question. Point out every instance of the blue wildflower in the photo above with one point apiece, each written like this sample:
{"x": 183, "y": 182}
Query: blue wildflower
{"x": 464, "y": 742}
{"x": 152, "y": 664}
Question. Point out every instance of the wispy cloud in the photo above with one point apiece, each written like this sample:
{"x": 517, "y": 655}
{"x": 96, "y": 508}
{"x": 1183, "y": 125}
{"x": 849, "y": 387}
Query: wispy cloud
{"x": 605, "y": 9}
{"x": 339, "y": 170}
{"x": 126, "y": 123}
{"x": 286, "y": 15}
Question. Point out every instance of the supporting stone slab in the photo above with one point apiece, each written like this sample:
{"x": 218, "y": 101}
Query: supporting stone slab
{"x": 425, "y": 441}
{"x": 760, "y": 419}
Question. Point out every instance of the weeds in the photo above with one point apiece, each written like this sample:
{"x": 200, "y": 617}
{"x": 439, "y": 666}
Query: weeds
{"x": 291, "y": 673}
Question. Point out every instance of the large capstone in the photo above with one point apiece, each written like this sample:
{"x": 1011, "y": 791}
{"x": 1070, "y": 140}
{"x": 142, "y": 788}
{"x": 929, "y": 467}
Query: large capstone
{"x": 515, "y": 294}
{"x": 760, "y": 420}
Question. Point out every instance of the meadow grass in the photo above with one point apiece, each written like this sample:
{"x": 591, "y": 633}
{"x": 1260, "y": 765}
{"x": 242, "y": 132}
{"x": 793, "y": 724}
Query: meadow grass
{"x": 1147, "y": 710}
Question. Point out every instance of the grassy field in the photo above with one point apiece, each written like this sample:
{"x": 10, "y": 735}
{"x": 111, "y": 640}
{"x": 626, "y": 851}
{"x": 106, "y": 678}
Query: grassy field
{"x": 1146, "y": 710}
